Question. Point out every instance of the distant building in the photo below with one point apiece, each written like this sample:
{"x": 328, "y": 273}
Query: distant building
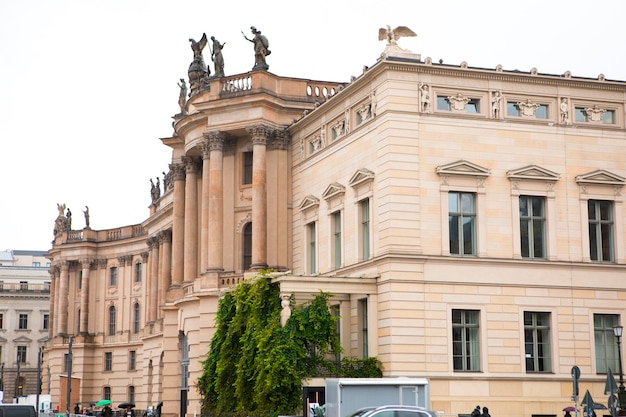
{"x": 468, "y": 221}
{"x": 24, "y": 319}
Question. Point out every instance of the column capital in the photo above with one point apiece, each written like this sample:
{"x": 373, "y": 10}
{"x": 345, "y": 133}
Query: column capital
{"x": 280, "y": 140}
{"x": 124, "y": 259}
{"x": 152, "y": 242}
{"x": 65, "y": 265}
{"x": 259, "y": 134}
{"x": 165, "y": 235}
{"x": 102, "y": 263}
{"x": 144, "y": 256}
{"x": 86, "y": 263}
{"x": 177, "y": 171}
{"x": 191, "y": 164}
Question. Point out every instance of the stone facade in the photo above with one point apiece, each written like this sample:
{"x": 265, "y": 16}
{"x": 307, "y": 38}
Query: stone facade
{"x": 469, "y": 223}
{"x": 24, "y": 319}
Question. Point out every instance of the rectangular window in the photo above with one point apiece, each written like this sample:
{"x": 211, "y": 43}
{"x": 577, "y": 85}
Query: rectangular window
{"x": 23, "y": 322}
{"x": 580, "y": 115}
{"x": 21, "y": 354}
{"x": 46, "y": 322}
{"x": 473, "y": 106}
{"x": 365, "y": 229}
{"x": 364, "y": 330}
{"x": 108, "y": 361}
{"x": 138, "y": 268}
{"x": 247, "y": 168}
{"x": 605, "y": 343}
{"x": 600, "y": 230}
{"x": 312, "y": 248}
{"x": 541, "y": 112}
{"x": 608, "y": 117}
{"x": 23, "y": 285}
{"x": 106, "y": 393}
{"x": 113, "y": 276}
{"x": 132, "y": 360}
{"x": 443, "y": 103}
{"x": 462, "y": 222}
{"x": 36, "y": 264}
{"x": 1, "y": 321}
{"x": 512, "y": 109}
{"x": 465, "y": 346}
{"x": 537, "y": 341}
{"x": 131, "y": 394}
{"x": 337, "y": 245}
{"x": 532, "y": 227}
{"x": 66, "y": 362}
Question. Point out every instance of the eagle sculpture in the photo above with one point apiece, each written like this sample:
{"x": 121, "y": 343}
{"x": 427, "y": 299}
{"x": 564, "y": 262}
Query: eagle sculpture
{"x": 392, "y": 35}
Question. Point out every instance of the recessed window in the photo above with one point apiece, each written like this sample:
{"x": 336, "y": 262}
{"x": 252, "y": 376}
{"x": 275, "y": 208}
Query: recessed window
{"x": 465, "y": 343}
{"x": 532, "y": 227}
{"x": 247, "y": 246}
{"x": 541, "y": 112}
{"x": 113, "y": 276}
{"x": 336, "y": 244}
{"x": 537, "y": 341}
{"x": 247, "y": 168}
{"x": 21, "y": 354}
{"x": 604, "y": 339}
{"x": 45, "y": 322}
{"x": 443, "y": 103}
{"x": 600, "y": 230}
{"x": 512, "y": 109}
{"x": 132, "y": 360}
{"x": 364, "y": 218}
{"x": 138, "y": 271}
{"x": 312, "y": 248}
{"x": 473, "y": 106}
{"x": 22, "y": 322}
{"x": 136, "y": 318}
{"x": 112, "y": 317}
{"x": 108, "y": 361}
{"x": 462, "y": 223}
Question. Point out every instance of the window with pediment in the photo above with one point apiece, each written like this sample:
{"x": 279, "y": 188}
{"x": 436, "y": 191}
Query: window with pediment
{"x": 309, "y": 210}
{"x": 362, "y": 183}
{"x": 601, "y": 198}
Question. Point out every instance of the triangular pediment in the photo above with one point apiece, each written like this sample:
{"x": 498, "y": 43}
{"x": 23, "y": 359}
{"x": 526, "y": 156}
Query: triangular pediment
{"x": 308, "y": 202}
{"x": 361, "y": 176}
{"x": 333, "y": 190}
{"x": 22, "y": 339}
{"x": 601, "y": 177}
{"x": 463, "y": 168}
{"x": 532, "y": 172}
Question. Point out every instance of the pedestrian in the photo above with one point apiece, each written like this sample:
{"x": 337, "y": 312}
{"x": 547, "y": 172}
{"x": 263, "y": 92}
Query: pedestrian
{"x": 485, "y": 412}
{"x": 476, "y": 412}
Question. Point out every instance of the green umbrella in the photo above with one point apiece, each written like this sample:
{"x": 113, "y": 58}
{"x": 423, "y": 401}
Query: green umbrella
{"x": 102, "y": 403}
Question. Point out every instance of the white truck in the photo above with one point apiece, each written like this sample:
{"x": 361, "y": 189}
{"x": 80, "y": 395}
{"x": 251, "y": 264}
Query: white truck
{"x": 344, "y": 396}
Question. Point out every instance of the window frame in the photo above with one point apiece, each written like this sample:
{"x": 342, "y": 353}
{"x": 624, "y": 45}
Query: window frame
{"x": 112, "y": 319}
{"x": 461, "y": 215}
{"x": 22, "y": 321}
{"x": 365, "y": 230}
{"x": 604, "y": 342}
{"x": 108, "y": 362}
{"x": 113, "y": 276}
{"x": 132, "y": 360}
{"x": 538, "y": 331}
{"x": 311, "y": 245}
{"x": 596, "y": 225}
{"x": 528, "y": 250}
{"x": 467, "y": 363}
{"x": 337, "y": 239}
{"x": 136, "y": 317}
{"x": 21, "y": 354}
{"x": 138, "y": 272}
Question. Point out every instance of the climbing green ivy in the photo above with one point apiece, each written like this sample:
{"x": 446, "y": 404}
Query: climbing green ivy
{"x": 255, "y": 366}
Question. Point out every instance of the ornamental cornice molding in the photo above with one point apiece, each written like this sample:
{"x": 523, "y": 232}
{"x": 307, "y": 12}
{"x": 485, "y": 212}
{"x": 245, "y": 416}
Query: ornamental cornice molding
{"x": 507, "y": 76}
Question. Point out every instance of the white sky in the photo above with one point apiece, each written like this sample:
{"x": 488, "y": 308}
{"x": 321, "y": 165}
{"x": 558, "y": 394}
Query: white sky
{"x": 87, "y": 87}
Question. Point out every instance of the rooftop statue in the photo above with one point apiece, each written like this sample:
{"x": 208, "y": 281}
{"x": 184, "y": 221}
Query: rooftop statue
{"x": 261, "y": 49}
{"x": 392, "y": 36}
{"x": 198, "y": 71}
{"x": 216, "y": 56}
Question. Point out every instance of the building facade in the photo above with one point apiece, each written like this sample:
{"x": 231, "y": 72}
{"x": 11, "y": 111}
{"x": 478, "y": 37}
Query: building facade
{"x": 24, "y": 320}
{"x": 469, "y": 223}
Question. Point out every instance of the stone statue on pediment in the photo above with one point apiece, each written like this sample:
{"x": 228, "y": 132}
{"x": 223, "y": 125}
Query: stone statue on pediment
{"x": 198, "y": 72}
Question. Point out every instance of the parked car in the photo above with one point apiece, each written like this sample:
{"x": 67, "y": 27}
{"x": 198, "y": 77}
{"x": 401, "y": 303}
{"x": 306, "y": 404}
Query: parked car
{"x": 394, "y": 411}
{"x": 17, "y": 410}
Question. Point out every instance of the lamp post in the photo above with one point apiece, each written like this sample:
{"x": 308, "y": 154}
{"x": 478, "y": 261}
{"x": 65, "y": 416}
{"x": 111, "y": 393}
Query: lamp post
{"x": 621, "y": 393}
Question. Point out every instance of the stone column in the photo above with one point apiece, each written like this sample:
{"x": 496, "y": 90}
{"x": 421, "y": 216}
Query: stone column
{"x": 259, "y": 136}
{"x": 216, "y": 200}
{"x": 191, "y": 219}
{"x": 165, "y": 274}
{"x": 178, "y": 223}
{"x": 204, "y": 216}
{"x": 52, "y": 320}
{"x": 63, "y": 296}
{"x": 84, "y": 297}
{"x": 153, "y": 244}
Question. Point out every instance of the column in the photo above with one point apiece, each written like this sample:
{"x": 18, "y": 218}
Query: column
{"x": 52, "y": 320}
{"x": 178, "y": 223}
{"x": 84, "y": 297}
{"x": 191, "y": 219}
{"x": 259, "y": 135}
{"x": 216, "y": 200}
{"x": 204, "y": 215}
{"x": 165, "y": 274}
{"x": 153, "y": 244}
{"x": 63, "y": 296}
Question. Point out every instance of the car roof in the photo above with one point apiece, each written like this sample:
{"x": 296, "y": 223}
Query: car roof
{"x": 398, "y": 407}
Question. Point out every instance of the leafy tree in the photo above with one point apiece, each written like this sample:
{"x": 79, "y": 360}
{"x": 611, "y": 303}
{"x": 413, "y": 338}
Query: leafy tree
{"x": 255, "y": 366}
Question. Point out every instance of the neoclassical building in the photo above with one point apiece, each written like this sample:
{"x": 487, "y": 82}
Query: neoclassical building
{"x": 468, "y": 221}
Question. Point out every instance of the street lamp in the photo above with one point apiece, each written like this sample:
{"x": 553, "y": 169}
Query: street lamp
{"x": 621, "y": 393}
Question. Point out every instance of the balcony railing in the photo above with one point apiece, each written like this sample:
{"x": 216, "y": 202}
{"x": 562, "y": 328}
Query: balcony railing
{"x": 24, "y": 288}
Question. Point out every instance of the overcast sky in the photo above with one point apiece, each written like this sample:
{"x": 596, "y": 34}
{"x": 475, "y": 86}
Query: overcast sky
{"x": 88, "y": 87}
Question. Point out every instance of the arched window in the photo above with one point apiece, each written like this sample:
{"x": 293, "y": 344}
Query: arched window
{"x": 136, "y": 318}
{"x": 247, "y": 246}
{"x": 112, "y": 315}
